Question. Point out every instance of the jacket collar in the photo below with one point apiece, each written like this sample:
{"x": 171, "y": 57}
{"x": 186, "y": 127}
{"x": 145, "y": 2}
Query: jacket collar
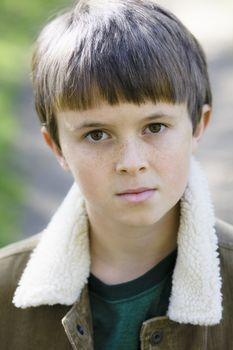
{"x": 59, "y": 266}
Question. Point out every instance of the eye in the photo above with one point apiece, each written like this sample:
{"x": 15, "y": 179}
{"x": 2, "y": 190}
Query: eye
{"x": 156, "y": 128}
{"x": 96, "y": 135}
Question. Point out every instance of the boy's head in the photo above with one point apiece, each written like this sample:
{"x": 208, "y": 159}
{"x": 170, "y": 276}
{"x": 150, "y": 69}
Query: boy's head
{"x": 117, "y": 51}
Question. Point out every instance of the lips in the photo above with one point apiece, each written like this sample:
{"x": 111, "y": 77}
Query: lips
{"x": 136, "y": 190}
{"x": 137, "y": 195}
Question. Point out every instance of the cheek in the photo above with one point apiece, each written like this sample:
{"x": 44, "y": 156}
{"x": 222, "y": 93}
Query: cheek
{"x": 178, "y": 171}
{"x": 87, "y": 168}
{"x": 174, "y": 167}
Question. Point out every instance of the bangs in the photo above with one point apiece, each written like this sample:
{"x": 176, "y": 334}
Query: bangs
{"x": 132, "y": 56}
{"x": 121, "y": 71}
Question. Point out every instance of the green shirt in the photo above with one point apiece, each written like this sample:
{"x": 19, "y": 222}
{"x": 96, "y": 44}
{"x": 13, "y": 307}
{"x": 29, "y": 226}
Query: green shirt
{"x": 118, "y": 311}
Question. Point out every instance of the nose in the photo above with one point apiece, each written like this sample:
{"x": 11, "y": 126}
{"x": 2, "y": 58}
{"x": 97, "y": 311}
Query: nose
{"x": 132, "y": 159}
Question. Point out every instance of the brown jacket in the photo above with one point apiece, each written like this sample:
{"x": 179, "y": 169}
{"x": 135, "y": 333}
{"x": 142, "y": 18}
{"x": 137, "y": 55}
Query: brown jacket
{"x": 44, "y": 300}
{"x": 69, "y": 327}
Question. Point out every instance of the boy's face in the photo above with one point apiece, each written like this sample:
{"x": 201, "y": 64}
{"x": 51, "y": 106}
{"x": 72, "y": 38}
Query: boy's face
{"x": 114, "y": 150}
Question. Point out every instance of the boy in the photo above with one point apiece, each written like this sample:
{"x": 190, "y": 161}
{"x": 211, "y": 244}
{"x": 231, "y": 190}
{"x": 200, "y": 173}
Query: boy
{"x": 133, "y": 258}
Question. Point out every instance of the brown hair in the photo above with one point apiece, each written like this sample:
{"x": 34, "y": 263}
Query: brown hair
{"x": 117, "y": 51}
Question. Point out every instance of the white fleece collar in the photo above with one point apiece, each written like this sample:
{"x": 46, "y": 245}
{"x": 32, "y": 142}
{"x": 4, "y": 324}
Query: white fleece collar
{"x": 59, "y": 266}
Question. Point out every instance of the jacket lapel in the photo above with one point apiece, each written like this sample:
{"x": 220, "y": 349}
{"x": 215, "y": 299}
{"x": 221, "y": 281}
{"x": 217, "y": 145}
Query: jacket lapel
{"x": 59, "y": 266}
{"x": 78, "y": 323}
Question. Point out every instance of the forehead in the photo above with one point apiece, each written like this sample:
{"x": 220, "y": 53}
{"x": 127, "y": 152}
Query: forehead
{"x": 124, "y": 112}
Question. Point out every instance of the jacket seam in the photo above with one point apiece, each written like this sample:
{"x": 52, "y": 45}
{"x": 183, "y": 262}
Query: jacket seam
{"x": 226, "y": 245}
{"x": 16, "y": 253}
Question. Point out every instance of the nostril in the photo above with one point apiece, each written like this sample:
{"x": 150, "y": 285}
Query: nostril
{"x": 130, "y": 168}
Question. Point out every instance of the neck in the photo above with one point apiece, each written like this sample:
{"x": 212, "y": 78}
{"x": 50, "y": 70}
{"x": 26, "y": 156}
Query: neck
{"x": 120, "y": 254}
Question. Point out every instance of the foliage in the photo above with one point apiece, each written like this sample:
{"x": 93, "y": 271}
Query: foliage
{"x": 20, "y": 21}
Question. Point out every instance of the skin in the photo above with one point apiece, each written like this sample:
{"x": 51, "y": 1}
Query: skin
{"x": 129, "y": 151}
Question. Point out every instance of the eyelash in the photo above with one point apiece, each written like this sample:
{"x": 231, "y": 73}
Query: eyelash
{"x": 103, "y": 132}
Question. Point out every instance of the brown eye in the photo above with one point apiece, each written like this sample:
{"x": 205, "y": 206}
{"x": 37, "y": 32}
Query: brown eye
{"x": 155, "y": 127}
{"x": 96, "y": 135}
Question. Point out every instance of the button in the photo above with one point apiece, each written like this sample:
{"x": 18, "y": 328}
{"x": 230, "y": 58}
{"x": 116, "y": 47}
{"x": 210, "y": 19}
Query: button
{"x": 80, "y": 329}
{"x": 156, "y": 337}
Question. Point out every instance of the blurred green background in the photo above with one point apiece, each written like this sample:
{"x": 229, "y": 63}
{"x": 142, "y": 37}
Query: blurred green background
{"x": 20, "y": 21}
{"x": 31, "y": 183}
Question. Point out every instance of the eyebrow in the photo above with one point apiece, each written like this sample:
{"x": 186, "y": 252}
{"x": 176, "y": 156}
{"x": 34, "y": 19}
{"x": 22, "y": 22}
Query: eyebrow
{"x": 92, "y": 124}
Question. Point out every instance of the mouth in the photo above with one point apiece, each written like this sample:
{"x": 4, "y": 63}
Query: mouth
{"x": 137, "y": 195}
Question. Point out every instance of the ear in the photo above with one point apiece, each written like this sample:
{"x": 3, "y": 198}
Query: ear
{"x": 201, "y": 126}
{"x": 55, "y": 149}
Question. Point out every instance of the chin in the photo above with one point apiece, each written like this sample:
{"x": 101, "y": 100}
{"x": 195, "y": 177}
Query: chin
{"x": 143, "y": 219}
